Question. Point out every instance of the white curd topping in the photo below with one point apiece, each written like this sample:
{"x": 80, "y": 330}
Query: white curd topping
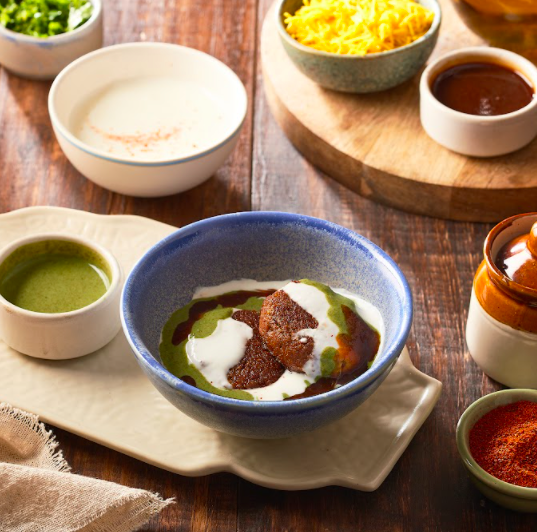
{"x": 235, "y": 286}
{"x": 290, "y": 383}
{"x": 216, "y": 354}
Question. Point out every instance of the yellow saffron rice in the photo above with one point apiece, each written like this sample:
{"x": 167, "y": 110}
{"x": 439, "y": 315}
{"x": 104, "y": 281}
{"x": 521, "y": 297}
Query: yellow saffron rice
{"x": 358, "y": 27}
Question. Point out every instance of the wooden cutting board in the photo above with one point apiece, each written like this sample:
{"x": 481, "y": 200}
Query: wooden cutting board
{"x": 374, "y": 144}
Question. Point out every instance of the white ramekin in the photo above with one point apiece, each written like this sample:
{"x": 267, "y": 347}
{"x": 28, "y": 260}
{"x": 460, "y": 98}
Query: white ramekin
{"x": 45, "y": 58}
{"x": 66, "y": 334}
{"x": 478, "y": 136}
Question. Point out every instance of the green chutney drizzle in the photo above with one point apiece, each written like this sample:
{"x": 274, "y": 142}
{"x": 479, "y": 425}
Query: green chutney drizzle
{"x": 336, "y": 314}
{"x": 53, "y": 277}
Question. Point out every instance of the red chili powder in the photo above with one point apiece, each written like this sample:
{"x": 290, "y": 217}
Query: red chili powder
{"x": 138, "y": 139}
{"x": 504, "y": 443}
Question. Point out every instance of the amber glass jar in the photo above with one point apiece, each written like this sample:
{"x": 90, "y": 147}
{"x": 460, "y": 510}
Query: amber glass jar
{"x": 510, "y": 24}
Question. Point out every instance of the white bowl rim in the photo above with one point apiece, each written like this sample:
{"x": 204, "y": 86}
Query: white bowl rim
{"x": 69, "y": 137}
{"x": 426, "y": 36}
{"x": 108, "y": 257}
{"x": 61, "y": 38}
{"x": 481, "y": 52}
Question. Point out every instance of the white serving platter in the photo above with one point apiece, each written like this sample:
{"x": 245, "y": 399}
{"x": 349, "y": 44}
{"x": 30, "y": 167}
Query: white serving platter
{"x": 106, "y": 398}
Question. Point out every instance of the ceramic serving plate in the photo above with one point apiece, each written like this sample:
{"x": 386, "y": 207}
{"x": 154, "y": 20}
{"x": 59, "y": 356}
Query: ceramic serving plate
{"x": 105, "y": 397}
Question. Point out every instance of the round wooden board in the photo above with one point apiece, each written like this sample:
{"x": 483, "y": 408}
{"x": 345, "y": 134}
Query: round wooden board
{"x": 374, "y": 144}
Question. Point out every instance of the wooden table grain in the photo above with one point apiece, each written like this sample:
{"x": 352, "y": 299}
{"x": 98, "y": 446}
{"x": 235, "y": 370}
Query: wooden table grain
{"x": 428, "y": 489}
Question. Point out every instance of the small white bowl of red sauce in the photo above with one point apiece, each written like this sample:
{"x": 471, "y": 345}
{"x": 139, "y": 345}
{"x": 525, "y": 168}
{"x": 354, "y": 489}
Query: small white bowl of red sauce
{"x": 480, "y": 101}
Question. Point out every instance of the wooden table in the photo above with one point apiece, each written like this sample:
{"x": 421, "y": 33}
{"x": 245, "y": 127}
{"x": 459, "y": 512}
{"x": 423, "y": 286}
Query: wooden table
{"x": 428, "y": 489}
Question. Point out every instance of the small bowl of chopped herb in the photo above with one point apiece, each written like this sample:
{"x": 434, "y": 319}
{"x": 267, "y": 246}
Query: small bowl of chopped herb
{"x": 39, "y": 38}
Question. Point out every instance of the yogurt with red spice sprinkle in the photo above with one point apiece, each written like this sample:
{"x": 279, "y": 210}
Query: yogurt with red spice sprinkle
{"x": 151, "y": 119}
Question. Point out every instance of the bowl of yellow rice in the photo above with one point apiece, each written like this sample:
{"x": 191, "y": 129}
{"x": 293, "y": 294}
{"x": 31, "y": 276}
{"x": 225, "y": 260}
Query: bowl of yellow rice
{"x": 359, "y": 46}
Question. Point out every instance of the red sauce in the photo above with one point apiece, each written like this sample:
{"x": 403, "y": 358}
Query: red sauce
{"x": 485, "y": 89}
{"x": 356, "y": 350}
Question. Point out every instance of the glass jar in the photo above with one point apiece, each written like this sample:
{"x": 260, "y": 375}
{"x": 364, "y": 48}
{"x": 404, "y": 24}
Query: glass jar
{"x": 510, "y": 24}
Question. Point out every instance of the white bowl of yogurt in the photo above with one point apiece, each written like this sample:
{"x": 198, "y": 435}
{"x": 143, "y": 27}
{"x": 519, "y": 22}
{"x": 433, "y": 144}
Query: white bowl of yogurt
{"x": 147, "y": 119}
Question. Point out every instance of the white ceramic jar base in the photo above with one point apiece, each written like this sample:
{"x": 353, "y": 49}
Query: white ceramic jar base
{"x": 505, "y": 354}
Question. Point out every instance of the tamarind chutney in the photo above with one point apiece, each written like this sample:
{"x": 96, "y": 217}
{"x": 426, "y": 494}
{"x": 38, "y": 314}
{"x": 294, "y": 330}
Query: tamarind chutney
{"x": 483, "y": 89}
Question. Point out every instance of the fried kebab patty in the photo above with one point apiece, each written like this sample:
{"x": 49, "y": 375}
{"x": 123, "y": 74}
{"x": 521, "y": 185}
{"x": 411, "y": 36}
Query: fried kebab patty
{"x": 280, "y": 319}
{"x": 258, "y": 367}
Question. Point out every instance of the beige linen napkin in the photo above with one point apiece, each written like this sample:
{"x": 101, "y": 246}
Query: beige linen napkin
{"x": 39, "y": 494}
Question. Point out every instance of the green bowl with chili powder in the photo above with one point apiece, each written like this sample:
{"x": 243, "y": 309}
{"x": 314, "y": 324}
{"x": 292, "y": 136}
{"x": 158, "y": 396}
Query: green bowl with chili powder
{"x": 518, "y": 498}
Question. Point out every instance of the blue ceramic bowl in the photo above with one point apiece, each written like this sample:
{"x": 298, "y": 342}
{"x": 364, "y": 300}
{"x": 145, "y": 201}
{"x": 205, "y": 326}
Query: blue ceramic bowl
{"x": 262, "y": 246}
{"x": 359, "y": 74}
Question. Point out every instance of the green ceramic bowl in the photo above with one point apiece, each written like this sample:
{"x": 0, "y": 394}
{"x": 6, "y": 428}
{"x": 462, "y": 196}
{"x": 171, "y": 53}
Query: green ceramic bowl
{"x": 508, "y": 495}
{"x": 359, "y": 74}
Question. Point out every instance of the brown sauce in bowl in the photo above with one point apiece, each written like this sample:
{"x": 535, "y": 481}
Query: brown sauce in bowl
{"x": 483, "y": 89}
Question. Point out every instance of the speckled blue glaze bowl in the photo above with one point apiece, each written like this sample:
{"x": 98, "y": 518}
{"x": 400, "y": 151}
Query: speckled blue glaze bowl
{"x": 262, "y": 246}
{"x": 359, "y": 74}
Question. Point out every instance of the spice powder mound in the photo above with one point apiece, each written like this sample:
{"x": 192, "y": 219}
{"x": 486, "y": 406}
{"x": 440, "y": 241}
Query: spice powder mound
{"x": 504, "y": 443}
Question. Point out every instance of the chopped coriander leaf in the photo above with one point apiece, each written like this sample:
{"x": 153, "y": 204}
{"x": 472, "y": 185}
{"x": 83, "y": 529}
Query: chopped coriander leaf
{"x": 44, "y": 18}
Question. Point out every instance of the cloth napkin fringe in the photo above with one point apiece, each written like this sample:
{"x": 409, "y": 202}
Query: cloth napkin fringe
{"x": 38, "y": 492}
{"x": 53, "y": 458}
{"x": 119, "y": 518}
